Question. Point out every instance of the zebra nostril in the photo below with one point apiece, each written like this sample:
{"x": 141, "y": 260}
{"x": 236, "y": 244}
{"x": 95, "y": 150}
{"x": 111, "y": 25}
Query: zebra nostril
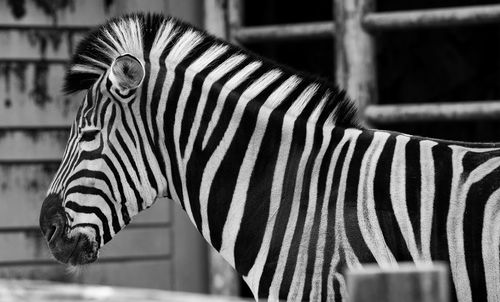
{"x": 52, "y": 218}
{"x": 51, "y": 232}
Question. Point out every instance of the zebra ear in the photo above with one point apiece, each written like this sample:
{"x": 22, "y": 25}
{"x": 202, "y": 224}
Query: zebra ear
{"x": 126, "y": 74}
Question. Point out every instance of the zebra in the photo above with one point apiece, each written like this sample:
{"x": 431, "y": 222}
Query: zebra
{"x": 270, "y": 165}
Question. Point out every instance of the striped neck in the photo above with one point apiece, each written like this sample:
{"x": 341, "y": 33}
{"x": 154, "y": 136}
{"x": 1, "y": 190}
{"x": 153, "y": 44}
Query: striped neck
{"x": 195, "y": 81}
{"x": 219, "y": 107}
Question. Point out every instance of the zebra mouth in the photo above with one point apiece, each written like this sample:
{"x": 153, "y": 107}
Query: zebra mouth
{"x": 83, "y": 252}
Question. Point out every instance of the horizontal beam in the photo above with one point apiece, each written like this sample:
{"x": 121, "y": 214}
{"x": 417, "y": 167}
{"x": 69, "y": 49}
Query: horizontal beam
{"x": 26, "y": 127}
{"x": 29, "y": 161}
{"x": 34, "y": 61}
{"x": 45, "y": 291}
{"x": 402, "y": 282}
{"x": 36, "y": 228}
{"x": 285, "y": 32}
{"x": 440, "y": 17}
{"x": 443, "y": 17}
{"x": 385, "y": 114}
{"x": 120, "y": 259}
{"x": 70, "y": 28}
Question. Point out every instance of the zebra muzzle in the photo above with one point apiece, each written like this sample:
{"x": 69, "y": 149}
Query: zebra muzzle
{"x": 76, "y": 249}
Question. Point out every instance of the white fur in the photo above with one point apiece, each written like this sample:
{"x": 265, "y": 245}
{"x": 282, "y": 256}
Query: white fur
{"x": 398, "y": 196}
{"x": 367, "y": 216}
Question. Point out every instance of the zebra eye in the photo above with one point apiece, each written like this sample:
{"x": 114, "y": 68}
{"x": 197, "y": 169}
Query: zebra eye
{"x": 89, "y": 135}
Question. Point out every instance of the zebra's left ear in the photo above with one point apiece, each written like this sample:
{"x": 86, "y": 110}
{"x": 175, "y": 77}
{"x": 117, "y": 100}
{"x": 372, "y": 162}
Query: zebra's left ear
{"x": 126, "y": 74}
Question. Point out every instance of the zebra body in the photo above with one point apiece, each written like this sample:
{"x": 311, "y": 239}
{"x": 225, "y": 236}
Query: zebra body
{"x": 269, "y": 165}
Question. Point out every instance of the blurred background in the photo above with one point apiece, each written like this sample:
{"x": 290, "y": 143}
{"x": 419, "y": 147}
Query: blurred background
{"x": 161, "y": 249}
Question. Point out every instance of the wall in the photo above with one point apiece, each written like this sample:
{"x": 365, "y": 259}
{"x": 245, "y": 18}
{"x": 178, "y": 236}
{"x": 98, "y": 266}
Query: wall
{"x": 156, "y": 249}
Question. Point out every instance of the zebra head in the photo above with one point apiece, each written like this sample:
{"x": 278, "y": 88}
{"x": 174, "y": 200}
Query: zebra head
{"x": 102, "y": 181}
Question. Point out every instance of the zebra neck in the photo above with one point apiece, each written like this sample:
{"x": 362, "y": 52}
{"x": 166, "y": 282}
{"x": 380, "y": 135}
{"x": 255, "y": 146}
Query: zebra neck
{"x": 236, "y": 161}
{"x": 267, "y": 188}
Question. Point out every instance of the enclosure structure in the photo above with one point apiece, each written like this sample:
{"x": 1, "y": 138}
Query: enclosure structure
{"x": 37, "y": 38}
{"x": 36, "y": 41}
{"x": 354, "y": 29}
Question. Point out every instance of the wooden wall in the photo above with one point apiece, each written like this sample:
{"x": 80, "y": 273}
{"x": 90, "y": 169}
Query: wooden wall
{"x": 36, "y": 40}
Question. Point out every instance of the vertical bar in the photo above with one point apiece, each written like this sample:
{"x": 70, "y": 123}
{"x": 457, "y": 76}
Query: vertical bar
{"x": 190, "y": 270}
{"x": 222, "y": 17}
{"x": 407, "y": 282}
{"x": 355, "y": 51}
{"x": 224, "y": 281}
{"x": 215, "y": 19}
{"x": 235, "y": 18}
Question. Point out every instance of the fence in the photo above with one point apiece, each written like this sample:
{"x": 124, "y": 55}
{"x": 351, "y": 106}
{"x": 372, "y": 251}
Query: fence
{"x": 407, "y": 282}
{"x": 40, "y": 291}
{"x": 355, "y": 21}
{"x": 354, "y": 25}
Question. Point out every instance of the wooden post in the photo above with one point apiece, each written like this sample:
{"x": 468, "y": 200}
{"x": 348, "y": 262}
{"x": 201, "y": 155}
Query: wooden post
{"x": 427, "y": 18}
{"x": 284, "y": 32}
{"x": 235, "y": 18}
{"x": 410, "y": 113}
{"x": 407, "y": 282}
{"x": 215, "y": 18}
{"x": 223, "y": 280}
{"x": 355, "y": 51}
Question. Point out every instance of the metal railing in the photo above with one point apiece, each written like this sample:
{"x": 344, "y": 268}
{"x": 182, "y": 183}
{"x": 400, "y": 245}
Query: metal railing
{"x": 457, "y": 16}
{"x": 303, "y": 31}
{"x": 380, "y": 21}
{"x": 460, "y": 16}
{"x": 461, "y": 111}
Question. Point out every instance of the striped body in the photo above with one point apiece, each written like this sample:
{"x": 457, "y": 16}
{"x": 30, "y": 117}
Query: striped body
{"x": 271, "y": 169}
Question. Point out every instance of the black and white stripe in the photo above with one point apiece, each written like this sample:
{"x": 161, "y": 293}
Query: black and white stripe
{"x": 271, "y": 167}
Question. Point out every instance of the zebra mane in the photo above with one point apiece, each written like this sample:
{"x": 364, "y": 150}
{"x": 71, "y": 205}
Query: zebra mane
{"x": 142, "y": 35}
